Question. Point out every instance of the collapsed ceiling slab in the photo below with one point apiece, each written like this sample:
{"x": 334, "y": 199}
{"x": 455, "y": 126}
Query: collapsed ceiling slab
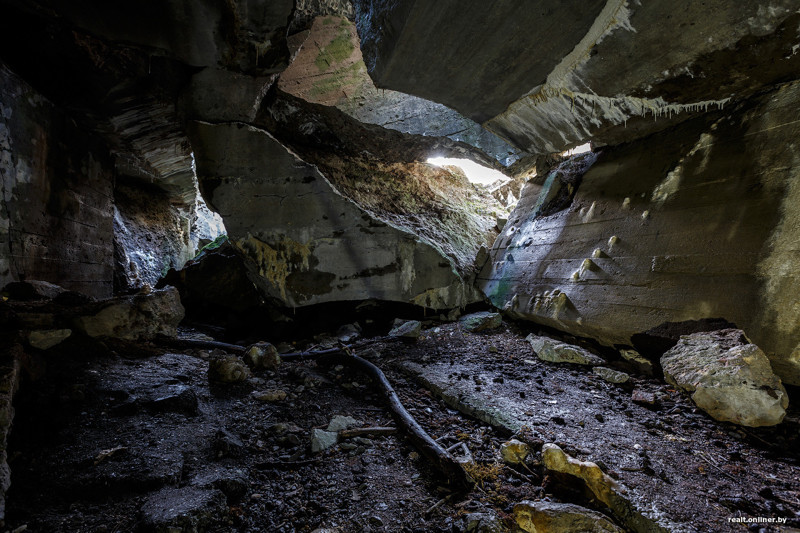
{"x": 548, "y": 80}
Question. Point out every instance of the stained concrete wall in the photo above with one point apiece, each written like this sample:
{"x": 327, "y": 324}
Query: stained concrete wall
{"x": 328, "y": 69}
{"x": 700, "y": 221}
{"x": 311, "y": 244}
{"x": 56, "y": 205}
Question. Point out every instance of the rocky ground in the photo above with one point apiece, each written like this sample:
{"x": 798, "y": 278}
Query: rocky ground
{"x": 115, "y": 439}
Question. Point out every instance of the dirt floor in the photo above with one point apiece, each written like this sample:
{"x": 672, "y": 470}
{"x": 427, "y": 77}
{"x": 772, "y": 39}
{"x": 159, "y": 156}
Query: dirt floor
{"x": 112, "y": 440}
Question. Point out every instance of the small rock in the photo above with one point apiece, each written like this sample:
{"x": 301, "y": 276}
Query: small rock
{"x": 173, "y": 399}
{"x": 642, "y": 364}
{"x": 410, "y": 329}
{"x": 643, "y": 397}
{"x": 226, "y": 444}
{"x": 514, "y": 451}
{"x": 481, "y": 321}
{"x": 486, "y": 522}
{"x": 271, "y": 395}
{"x": 262, "y": 356}
{"x": 729, "y": 377}
{"x": 322, "y": 440}
{"x": 340, "y": 422}
{"x": 184, "y": 509}
{"x": 46, "y": 339}
{"x": 227, "y": 369}
{"x": 232, "y": 483}
{"x": 553, "y": 351}
{"x": 611, "y": 375}
{"x": 551, "y": 517}
{"x": 348, "y": 332}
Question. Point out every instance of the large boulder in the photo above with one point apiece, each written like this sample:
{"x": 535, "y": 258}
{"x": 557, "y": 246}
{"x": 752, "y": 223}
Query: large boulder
{"x": 552, "y": 517}
{"x": 729, "y": 377}
{"x": 140, "y": 316}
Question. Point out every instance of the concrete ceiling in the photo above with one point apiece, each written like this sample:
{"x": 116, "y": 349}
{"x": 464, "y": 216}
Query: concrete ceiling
{"x": 550, "y": 78}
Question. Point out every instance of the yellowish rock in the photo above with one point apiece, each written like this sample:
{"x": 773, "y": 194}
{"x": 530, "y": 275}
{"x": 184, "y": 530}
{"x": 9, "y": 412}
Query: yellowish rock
{"x": 514, "y": 451}
{"x": 551, "y": 517}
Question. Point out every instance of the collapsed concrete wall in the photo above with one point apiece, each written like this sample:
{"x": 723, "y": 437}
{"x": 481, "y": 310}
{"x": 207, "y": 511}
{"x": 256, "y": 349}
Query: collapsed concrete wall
{"x": 56, "y": 215}
{"x": 696, "y": 222}
{"x": 328, "y": 69}
{"x": 311, "y": 244}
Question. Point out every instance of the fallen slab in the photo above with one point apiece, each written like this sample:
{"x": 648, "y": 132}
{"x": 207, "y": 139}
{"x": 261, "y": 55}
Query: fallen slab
{"x": 728, "y": 377}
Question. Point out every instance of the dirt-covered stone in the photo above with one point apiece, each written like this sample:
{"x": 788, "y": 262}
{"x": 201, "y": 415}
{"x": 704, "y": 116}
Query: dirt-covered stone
{"x": 140, "y": 316}
{"x": 553, "y": 351}
{"x": 552, "y": 517}
{"x": 481, "y": 321}
{"x": 728, "y": 377}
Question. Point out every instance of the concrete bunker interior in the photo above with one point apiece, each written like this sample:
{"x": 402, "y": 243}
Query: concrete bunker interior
{"x": 245, "y": 287}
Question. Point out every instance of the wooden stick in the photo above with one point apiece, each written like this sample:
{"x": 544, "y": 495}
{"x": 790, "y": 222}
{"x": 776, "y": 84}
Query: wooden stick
{"x": 429, "y": 448}
{"x": 373, "y": 431}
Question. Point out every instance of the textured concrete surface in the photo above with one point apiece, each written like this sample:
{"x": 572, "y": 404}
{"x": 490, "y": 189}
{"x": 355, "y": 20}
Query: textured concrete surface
{"x": 698, "y": 222}
{"x": 56, "y": 204}
{"x": 311, "y": 244}
{"x": 566, "y": 73}
{"x": 523, "y": 46}
{"x": 329, "y": 69}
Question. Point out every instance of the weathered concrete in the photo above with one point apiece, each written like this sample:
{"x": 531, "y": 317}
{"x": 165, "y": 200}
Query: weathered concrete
{"x": 565, "y": 74}
{"x": 728, "y": 377}
{"x": 329, "y": 69}
{"x": 56, "y": 204}
{"x": 316, "y": 245}
{"x": 523, "y": 46}
{"x": 385, "y": 172}
{"x": 698, "y": 222}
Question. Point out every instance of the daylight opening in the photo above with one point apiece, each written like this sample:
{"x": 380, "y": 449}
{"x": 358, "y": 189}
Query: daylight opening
{"x": 582, "y": 149}
{"x": 475, "y": 173}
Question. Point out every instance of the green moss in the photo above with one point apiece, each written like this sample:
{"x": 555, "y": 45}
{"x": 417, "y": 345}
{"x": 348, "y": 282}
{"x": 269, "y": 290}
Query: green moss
{"x": 213, "y": 245}
{"x": 338, "y": 79}
{"x": 337, "y": 51}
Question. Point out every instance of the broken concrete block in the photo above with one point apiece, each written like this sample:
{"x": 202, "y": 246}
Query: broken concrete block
{"x": 643, "y": 397}
{"x": 46, "y": 339}
{"x": 642, "y": 364}
{"x": 481, "y": 321}
{"x": 486, "y": 522}
{"x": 610, "y": 375}
{"x": 32, "y": 290}
{"x": 340, "y": 422}
{"x": 604, "y": 488}
{"x": 410, "y": 329}
{"x": 552, "y": 517}
{"x": 140, "y": 316}
{"x": 554, "y": 351}
{"x": 728, "y": 377}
